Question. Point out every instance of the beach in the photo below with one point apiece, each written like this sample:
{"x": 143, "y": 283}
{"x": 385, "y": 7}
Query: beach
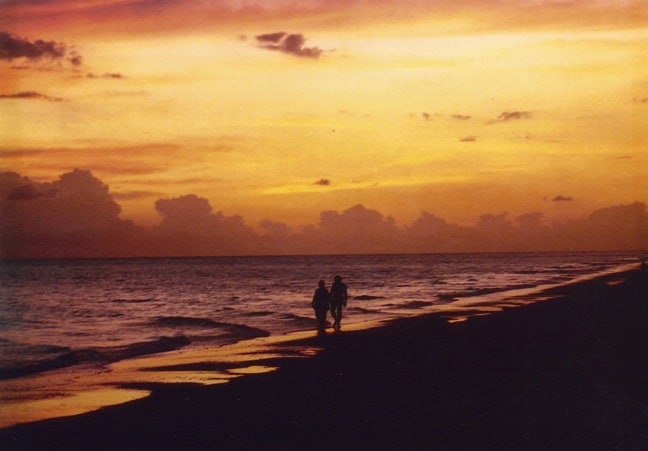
{"x": 567, "y": 372}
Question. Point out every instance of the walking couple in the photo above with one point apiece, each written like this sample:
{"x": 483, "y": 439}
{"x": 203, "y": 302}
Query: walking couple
{"x": 325, "y": 300}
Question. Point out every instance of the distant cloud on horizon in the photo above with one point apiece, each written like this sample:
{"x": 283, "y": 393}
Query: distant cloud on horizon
{"x": 77, "y": 216}
{"x": 561, "y": 198}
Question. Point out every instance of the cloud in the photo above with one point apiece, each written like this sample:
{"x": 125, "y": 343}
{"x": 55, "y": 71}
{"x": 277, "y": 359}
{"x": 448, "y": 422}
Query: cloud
{"x": 468, "y": 139}
{"x": 461, "y": 117}
{"x": 276, "y": 228}
{"x": 426, "y": 116}
{"x": 355, "y": 230}
{"x": 561, "y": 198}
{"x": 108, "y": 17}
{"x": 183, "y": 209}
{"x": 13, "y": 47}
{"x": 323, "y": 182}
{"x": 612, "y": 228}
{"x": 25, "y": 192}
{"x": 271, "y": 37}
{"x": 73, "y": 216}
{"x": 129, "y": 160}
{"x": 290, "y": 43}
{"x": 31, "y": 95}
{"x": 507, "y": 116}
{"x": 77, "y": 216}
{"x": 189, "y": 227}
{"x": 133, "y": 195}
{"x": 107, "y": 75}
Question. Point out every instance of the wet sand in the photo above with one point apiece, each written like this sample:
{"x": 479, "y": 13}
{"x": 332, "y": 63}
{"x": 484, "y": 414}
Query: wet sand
{"x": 569, "y": 372}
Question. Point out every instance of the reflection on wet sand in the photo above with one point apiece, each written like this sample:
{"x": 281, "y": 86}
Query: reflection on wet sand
{"x": 77, "y": 390}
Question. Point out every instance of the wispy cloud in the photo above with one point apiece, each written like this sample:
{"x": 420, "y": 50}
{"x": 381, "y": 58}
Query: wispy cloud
{"x": 31, "y": 95}
{"x": 507, "y": 116}
{"x": 107, "y": 75}
{"x": 133, "y": 195}
{"x": 145, "y": 16}
{"x": 290, "y": 43}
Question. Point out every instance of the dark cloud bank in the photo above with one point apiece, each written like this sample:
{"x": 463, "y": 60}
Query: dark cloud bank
{"x": 14, "y": 47}
{"x": 76, "y": 216}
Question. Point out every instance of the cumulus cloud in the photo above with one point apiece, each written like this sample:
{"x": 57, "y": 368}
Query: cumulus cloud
{"x": 14, "y": 47}
{"x": 275, "y": 228}
{"x": 355, "y": 230}
{"x": 613, "y": 228}
{"x": 529, "y": 219}
{"x": 70, "y": 217}
{"x": 508, "y": 116}
{"x": 183, "y": 209}
{"x": 189, "y": 227}
{"x": 290, "y": 43}
{"x": 77, "y": 216}
{"x": 31, "y": 95}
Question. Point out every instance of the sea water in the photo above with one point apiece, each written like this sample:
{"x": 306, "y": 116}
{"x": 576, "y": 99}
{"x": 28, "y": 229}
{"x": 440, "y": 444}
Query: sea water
{"x": 55, "y": 313}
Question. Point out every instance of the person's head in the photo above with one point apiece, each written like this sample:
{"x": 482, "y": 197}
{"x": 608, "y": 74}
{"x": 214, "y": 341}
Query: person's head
{"x": 338, "y": 279}
{"x": 321, "y": 284}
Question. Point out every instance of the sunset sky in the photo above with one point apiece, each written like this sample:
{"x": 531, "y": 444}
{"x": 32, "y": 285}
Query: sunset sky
{"x": 281, "y": 110}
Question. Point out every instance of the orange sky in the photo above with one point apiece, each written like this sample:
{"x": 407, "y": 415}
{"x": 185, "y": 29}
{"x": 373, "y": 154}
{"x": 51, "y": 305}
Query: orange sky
{"x": 451, "y": 107}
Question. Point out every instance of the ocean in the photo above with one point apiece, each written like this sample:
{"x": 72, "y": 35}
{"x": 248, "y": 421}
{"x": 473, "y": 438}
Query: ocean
{"x": 61, "y": 313}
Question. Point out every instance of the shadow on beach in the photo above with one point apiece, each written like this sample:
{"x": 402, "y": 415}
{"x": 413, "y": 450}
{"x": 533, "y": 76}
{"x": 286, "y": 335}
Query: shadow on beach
{"x": 566, "y": 373}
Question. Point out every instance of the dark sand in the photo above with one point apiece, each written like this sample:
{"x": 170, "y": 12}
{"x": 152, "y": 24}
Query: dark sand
{"x": 567, "y": 373}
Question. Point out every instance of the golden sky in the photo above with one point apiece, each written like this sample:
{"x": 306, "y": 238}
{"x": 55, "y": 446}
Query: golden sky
{"x": 280, "y": 110}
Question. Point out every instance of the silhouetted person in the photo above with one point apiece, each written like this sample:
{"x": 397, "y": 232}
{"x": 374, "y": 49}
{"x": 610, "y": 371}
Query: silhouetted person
{"x": 338, "y": 300}
{"x": 320, "y": 304}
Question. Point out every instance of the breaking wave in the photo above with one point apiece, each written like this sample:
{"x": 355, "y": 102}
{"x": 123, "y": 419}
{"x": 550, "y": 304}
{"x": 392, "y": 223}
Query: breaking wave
{"x": 53, "y": 357}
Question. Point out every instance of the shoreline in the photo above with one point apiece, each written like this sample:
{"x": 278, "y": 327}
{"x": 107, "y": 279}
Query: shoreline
{"x": 62, "y": 356}
{"x": 78, "y": 387}
{"x": 415, "y": 381}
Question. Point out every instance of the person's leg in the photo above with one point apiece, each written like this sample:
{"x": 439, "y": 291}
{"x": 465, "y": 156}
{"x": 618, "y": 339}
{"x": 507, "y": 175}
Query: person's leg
{"x": 336, "y": 311}
{"x": 321, "y": 318}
